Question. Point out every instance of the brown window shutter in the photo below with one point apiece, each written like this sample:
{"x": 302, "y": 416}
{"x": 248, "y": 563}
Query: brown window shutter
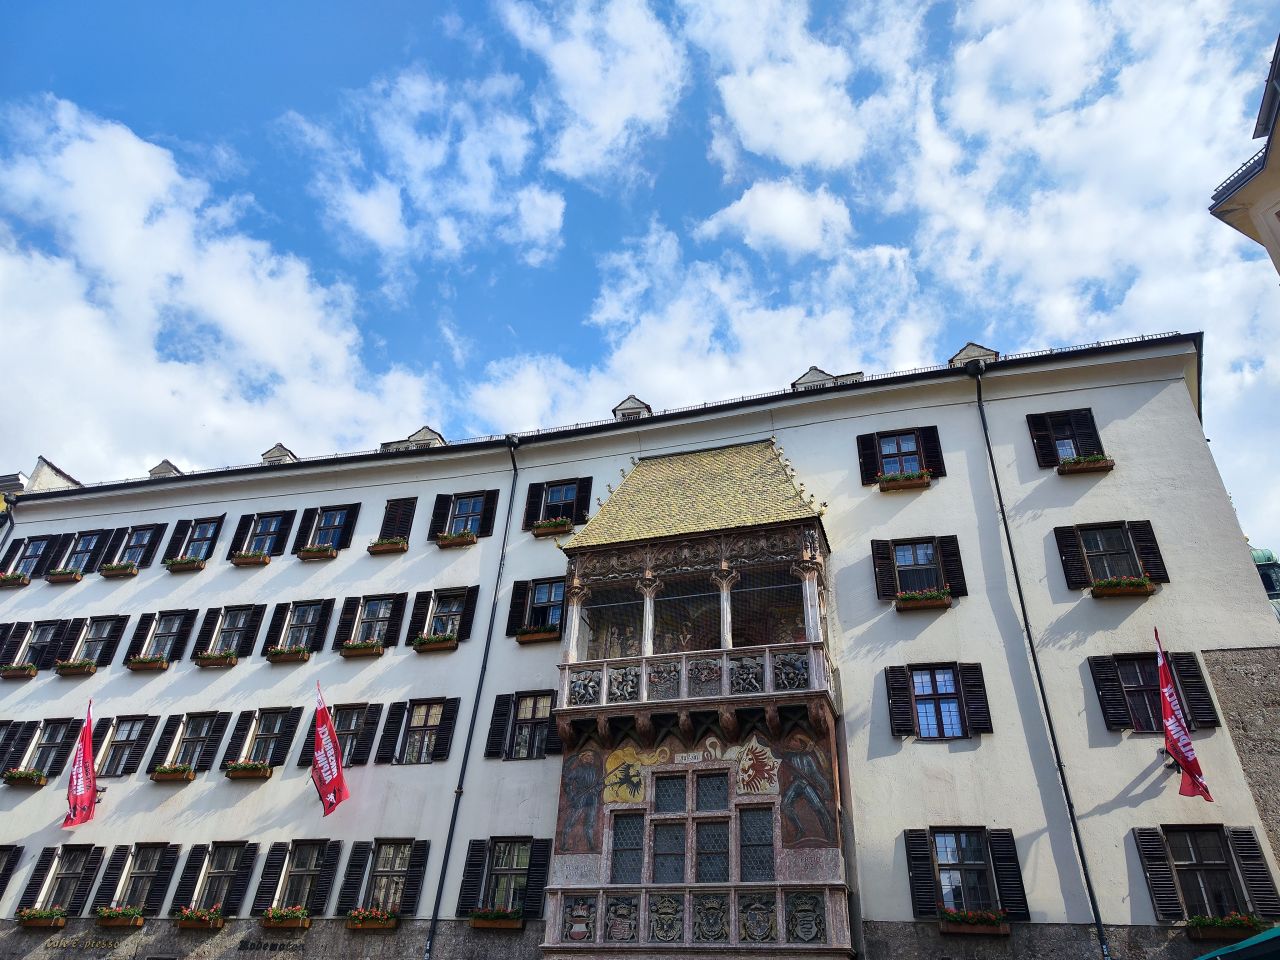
{"x": 185, "y": 892}
{"x": 308, "y": 751}
{"x": 319, "y": 899}
{"x": 160, "y": 883}
{"x": 582, "y": 502}
{"x": 395, "y": 622}
{"x": 472, "y": 878}
{"x": 886, "y": 572}
{"x": 1148, "y": 551}
{"x": 239, "y": 734}
{"x": 209, "y": 749}
{"x": 282, "y": 535}
{"x": 207, "y": 628}
{"x": 1008, "y": 874}
{"x": 488, "y": 513}
{"x": 536, "y": 878}
{"x": 1197, "y": 701}
{"x": 153, "y": 545}
{"x": 1253, "y": 871}
{"x": 110, "y": 882}
{"x": 391, "y": 732}
{"x": 177, "y": 540}
{"x": 519, "y": 601}
{"x": 349, "y": 526}
{"x": 1106, "y": 680}
{"x": 165, "y": 741}
{"x": 440, "y": 515}
{"x": 1042, "y": 439}
{"x": 397, "y": 519}
{"x": 952, "y": 568}
{"x": 353, "y": 879}
{"x": 495, "y": 744}
{"x": 931, "y": 451}
{"x": 241, "y": 534}
{"x": 977, "y": 709}
{"x": 868, "y": 458}
{"x": 468, "y": 613}
{"x": 924, "y": 885}
{"x": 902, "y": 721}
{"x": 134, "y": 760}
{"x": 418, "y": 616}
{"x": 280, "y": 749}
{"x": 554, "y": 744}
{"x": 184, "y": 633}
{"x": 322, "y": 625}
{"x": 444, "y": 736}
{"x": 364, "y": 736}
{"x": 272, "y": 867}
{"x": 44, "y": 863}
{"x": 88, "y": 874}
{"x": 1074, "y": 567}
{"x": 305, "y": 528}
{"x": 346, "y": 621}
{"x": 1159, "y": 873}
{"x": 252, "y": 624}
{"x": 414, "y": 875}
{"x": 275, "y": 629}
{"x": 1088, "y": 443}
{"x": 533, "y": 505}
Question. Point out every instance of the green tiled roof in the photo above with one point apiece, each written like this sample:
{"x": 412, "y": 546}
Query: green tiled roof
{"x": 724, "y": 488}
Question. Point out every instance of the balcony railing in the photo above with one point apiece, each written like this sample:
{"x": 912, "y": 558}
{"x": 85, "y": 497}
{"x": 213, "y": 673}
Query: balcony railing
{"x": 739, "y": 672}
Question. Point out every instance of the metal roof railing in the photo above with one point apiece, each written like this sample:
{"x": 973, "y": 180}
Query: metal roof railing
{"x": 1244, "y": 173}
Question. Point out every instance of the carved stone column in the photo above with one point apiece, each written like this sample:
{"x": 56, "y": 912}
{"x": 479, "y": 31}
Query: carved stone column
{"x": 572, "y": 644}
{"x": 649, "y": 587}
{"x": 809, "y": 573}
{"x": 725, "y": 578}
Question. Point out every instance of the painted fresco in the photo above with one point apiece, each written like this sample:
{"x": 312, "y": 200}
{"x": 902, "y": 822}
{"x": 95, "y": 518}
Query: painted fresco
{"x": 581, "y": 812}
{"x": 808, "y": 805}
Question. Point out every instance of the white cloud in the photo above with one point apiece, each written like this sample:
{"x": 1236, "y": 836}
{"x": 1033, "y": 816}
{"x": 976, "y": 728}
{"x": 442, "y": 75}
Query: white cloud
{"x": 539, "y": 216}
{"x": 616, "y": 73}
{"x": 781, "y": 215}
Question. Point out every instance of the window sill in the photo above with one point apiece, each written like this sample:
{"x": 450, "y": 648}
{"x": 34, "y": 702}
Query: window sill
{"x": 217, "y": 663}
{"x": 939, "y": 603}
{"x": 972, "y": 929}
{"x": 377, "y": 549}
{"x": 147, "y": 666}
{"x": 263, "y": 774}
{"x": 918, "y": 483}
{"x": 173, "y": 776}
{"x": 437, "y": 647}
{"x": 373, "y": 925}
{"x": 44, "y": 922}
{"x": 295, "y": 923}
{"x": 14, "y": 583}
{"x": 26, "y": 782}
{"x": 1099, "y": 466}
{"x": 553, "y": 530}
{"x": 250, "y": 561}
{"x": 539, "y": 636}
{"x": 1220, "y": 934}
{"x": 462, "y": 540}
{"x": 76, "y": 670}
{"x": 119, "y": 573}
{"x": 317, "y": 553}
{"x": 199, "y": 924}
{"x": 23, "y": 674}
{"x": 508, "y": 923}
{"x": 289, "y": 656}
{"x": 1136, "y": 591}
{"x": 120, "y": 921}
{"x": 185, "y": 566}
{"x": 352, "y": 653}
{"x": 64, "y": 577}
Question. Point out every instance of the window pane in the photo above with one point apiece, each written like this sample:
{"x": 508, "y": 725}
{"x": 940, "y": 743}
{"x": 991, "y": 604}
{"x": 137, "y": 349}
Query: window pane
{"x": 755, "y": 836}
{"x": 713, "y": 852}
{"x": 713, "y": 791}
{"x": 628, "y": 837}
{"x": 668, "y": 795}
{"x": 668, "y": 853}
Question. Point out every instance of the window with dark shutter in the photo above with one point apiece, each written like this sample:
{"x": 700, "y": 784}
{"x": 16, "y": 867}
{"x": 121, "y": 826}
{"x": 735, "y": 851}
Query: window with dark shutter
{"x": 444, "y": 734}
{"x": 184, "y": 893}
{"x": 159, "y": 887}
{"x": 109, "y": 885}
{"x": 920, "y": 876}
{"x": 977, "y": 708}
{"x": 489, "y": 513}
{"x": 265, "y": 895}
{"x": 359, "y": 754}
{"x": 44, "y": 863}
{"x": 418, "y": 615}
{"x": 468, "y": 617}
{"x": 533, "y": 505}
{"x": 318, "y": 901}
{"x": 240, "y": 535}
{"x": 1008, "y": 874}
{"x": 905, "y": 451}
{"x": 519, "y": 607}
{"x": 416, "y": 872}
{"x": 397, "y": 518}
{"x": 275, "y": 629}
{"x": 306, "y": 528}
{"x": 897, "y": 683}
{"x": 160, "y": 755}
{"x": 209, "y": 746}
{"x": 84, "y": 884}
{"x": 536, "y": 882}
{"x": 10, "y": 856}
{"x": 240, "y": 733}
{"x": 284, "y": 739}
{"x": 353, "y": 878}
{"x": 346, "y": 622}
{"x": 499, "y": 722}
{"x": 139, "y": 746}
{"x": 582, "y": 504}
{"x": 1258, "y": 882}
{"x": 1063, "y": 435}
{"x": 472, "y": 878}
{"x": 391, "y": 731}
{"x": 1197, "y": 701}
{"x": 1159, "y": 873}
{"x": 440, "y": 515}
{"x": 239, "y": 885}
{"x": 1071, "y": 552}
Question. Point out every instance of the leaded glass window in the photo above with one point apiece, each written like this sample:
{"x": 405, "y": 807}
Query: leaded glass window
{"x": 755, "y": 844}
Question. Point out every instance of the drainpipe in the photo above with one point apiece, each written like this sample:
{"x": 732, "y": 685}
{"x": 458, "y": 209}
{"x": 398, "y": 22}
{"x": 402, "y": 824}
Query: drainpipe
{"x": 512, "y": 442}
{"x": 975, "y": 369}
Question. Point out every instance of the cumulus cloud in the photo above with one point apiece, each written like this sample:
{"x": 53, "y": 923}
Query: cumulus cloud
{"x": 781, "y": 215}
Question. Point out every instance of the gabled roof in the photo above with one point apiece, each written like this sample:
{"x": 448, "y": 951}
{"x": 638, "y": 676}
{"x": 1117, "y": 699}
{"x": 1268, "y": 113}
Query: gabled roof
{"x": 724, "y": 488}
{"x": 973, "y": 351}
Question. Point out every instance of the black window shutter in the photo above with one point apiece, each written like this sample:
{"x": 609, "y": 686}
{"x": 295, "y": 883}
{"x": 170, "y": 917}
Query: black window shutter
{"x": 886, "y": 571}
{"x": 308, "y": 751}
{"x": 239, "y": 733}
{"x": 284, "y": 743}
{"x": 9, "y": 857}
{"x": 924, "y": 885}
{"x": 282, "y": 535}
{"x": 468, "y": 613}
{"x": 239, "y": 884}
{"x": 101, "y": 727}
{"x": 272, "y": 867}
{"x": 489, "y": 513}
{"x": 177, "y": 539}
{"x": 418, "y": 617}
{"x": 554, "y": 743}
{"x": 160, "y": 882}
{"x": 495, "y": 745}
{"x": 1042, "y": 439}
{"x": 218, "y": 523}
{"x": 346, "y": 621}
{"x": 364, "y": 736}
{"x": 897, "y": 682}
{"x": 414, "y": 874}
{"x": 209, "y": 749}
{"x": 868, "y": 458}
{"x": 184, "y": 634}
{"x": 275, "y": 629}
{"x": 12, "y": 635}
{"x": 391, "y": 732}
{"x": 472, "y": 878}
{"x": 114, "y": 543}
{"x": 251, "y": 627}
{"x": 1196, "y": 699}
{"x": 11, "y": 555}
{"x": 536, "y": 879}
{"x": 185, "y": 892}
{"x": 519, "y": 601}
{"x": 444, "y": 736}
{"x": 977, "y": 709}
{"x": 1106, "y": 680}
{"x": 53, "y": 554}
{"x": 533, "y": 505}
{"x": 1148, "y": 551}
{"x": 397, "y": 519}
{"x": 931, "y": 451}
{"x": 952, "y": 568}
{"x": 153, "y": 544}
{"x": 440, "y": 515}
{"x": 582, "y": 501}
{"x": 1253, "y": 871}
{"x": 99, "y": 550}
{"x": 396, "y": 621}
{"x": 134, "y": 760}
{"x": 349, "y": 526}
{"x": 88, "y": 874}
{"x": 43, "y": 864}
{"x": 107, "y": 652}
{"x": 1159, "y": 873}
{"x": 1072, "y": 553}
{"x": 65, "y": 640}
{"x": 349, "y": 894}
{"x": 305, "y": 528}
{"x": 20, "y": 743}
{"x": 1008, "y": 874}
{"x": 319, "y": 899}
{"x": 322, "y": 624}
{"x": 1088, "y": 443}
{"x": 243, "y": 526}
{"x": 110, "y": 882}
{"x": 207, "y": 629}
{"x": 164, "y": 744}
{"x": 68, "y": 744}
{"x": 7, "y": 735}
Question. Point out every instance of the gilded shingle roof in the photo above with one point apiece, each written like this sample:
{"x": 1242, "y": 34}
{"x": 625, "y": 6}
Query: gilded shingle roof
{"x": 724, "y": 488}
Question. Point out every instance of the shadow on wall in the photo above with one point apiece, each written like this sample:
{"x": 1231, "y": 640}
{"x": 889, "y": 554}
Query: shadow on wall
{"x": 1083, "y": 616}
{"x": 1146, "y": 785}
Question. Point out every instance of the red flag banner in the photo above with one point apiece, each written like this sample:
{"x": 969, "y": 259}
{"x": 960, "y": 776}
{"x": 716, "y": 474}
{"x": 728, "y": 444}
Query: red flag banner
{"x": 1177, "y": 741}
{"x": 82, "y": 789}
{"x": 326, "y": 760}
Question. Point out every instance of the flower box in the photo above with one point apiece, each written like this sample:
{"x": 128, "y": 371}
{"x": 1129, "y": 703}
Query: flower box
{"x": 551, "y": 529}
{"x": 922, "y": 603}
{"x": 75, "y": 668}
{"x": 496, "y": 923}
{"x": 537, "y": 636}
{"x": 950, "y": 927}
{"x": 1123, "y": 589}
{"x": 12, "y": 581}
{"x": 890, "y": 484}
{"x": 18, "y": 671}
{"x": 191, "y": 923}
{"x": 1083, "y": 465}
{"x": 63, "y": 576}
{"x": 250, "y": 559}
{"x": 434, "y": 644}
{"x": 1221, "y": 934}
{"x": 147, "y": 664}
{"x": 115, "y": 571}
{"x": 317, "y": 553}
{"x": 255, "y": 772}
{"x": 184, "y": 565}
{"x": 446, "y": 541}
{"x": 379, "y": 547}
{"x": 173, "y": 775}
{"x": 292, "y": 923}
{"x": 215, "y": 661}
{"x": 120, "y": 921}
{"x": 373, "y": 925}
{"x": 350, "y": 650}
{"x": 21, "y": 777}
{"x": 57, "y": 922}
{"x": 288, "y": 655}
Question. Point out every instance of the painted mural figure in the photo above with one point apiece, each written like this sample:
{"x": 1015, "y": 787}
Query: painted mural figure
{"x": 809, "y": 790}
{"x": 582, "y": 785}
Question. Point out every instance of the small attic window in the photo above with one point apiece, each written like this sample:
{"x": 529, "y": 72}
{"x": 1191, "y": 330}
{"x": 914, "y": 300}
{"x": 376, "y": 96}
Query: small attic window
{"x": 632, "y": 408}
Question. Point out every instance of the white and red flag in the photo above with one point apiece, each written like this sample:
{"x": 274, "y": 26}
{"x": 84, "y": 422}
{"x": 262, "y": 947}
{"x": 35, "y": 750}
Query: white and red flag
{"x": 82, "y": 789}
{"x": 1177, "y": 742}
{"x": 326, "y": 760}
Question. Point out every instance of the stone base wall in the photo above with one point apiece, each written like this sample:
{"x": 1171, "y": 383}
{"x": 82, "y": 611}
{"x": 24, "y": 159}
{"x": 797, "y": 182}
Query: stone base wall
{"x": 1061, "y": 941}
{"x": 246, "y": 940}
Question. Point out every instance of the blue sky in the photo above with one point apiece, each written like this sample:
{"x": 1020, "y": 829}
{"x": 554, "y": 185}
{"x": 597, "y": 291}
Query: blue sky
{"x": 260, "y": 222}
